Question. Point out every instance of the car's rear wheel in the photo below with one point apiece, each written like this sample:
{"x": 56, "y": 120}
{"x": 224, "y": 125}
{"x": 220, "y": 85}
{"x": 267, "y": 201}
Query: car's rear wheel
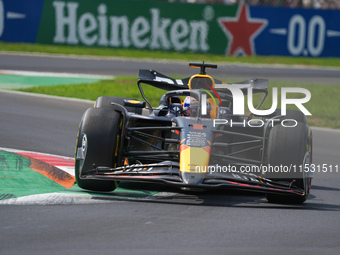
{"x": 97, "y": 141}
{"x": 289, "y": 149}
{"x": 298, "y": 116}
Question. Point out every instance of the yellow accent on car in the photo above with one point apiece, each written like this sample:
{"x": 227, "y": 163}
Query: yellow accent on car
{"x": 117, "y": 146}
{"x": 194, "y": 159}
{"x": 203, "y": 77}
{"x": 134, "y": 101}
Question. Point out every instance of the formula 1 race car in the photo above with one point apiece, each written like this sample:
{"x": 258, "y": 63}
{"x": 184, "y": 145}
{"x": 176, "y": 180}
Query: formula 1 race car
{"x": 195, "y": 140}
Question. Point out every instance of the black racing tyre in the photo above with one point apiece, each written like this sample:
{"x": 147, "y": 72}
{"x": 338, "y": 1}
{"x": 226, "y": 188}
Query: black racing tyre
{"x": 292, "y": 114}
{"x": 98, "y": 136}
{"x": 105, "y": 101}
{"x": 289, "y": 148}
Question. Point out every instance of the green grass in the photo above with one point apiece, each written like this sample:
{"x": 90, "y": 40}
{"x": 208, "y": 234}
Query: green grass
{"x": 145, "y": 54}
{"x": 323, "y": 104}
{"x": 122, "y": 86}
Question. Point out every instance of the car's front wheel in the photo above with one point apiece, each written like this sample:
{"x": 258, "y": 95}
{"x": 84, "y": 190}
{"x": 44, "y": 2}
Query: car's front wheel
{"x": 97, "y": 145}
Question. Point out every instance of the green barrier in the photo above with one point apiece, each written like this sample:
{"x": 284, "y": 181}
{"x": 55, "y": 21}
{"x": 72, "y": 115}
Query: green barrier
{"x": 174, "y": 27}
{"x": 135, "y": 25}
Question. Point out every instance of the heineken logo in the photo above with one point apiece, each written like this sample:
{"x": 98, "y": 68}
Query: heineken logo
{"x": 150, "y": 30}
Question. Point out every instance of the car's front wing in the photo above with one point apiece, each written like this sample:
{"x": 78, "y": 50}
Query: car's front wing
{"x": 168, "y": 173}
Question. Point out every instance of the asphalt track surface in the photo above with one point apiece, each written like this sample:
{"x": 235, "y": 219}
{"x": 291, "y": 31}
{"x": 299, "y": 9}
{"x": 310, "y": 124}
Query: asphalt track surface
{"x": 119, "y": 66}
{"x": 179, "y": 223}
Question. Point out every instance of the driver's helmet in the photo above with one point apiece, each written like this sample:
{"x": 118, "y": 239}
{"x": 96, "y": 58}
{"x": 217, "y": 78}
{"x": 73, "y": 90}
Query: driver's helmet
{"x": 190, "y": 105}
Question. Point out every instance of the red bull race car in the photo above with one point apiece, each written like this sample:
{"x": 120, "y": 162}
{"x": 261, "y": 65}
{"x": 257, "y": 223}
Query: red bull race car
{"x": 195, "y": 139}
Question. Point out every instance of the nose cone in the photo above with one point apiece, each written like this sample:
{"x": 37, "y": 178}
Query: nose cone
{"x": 194, "y": 163}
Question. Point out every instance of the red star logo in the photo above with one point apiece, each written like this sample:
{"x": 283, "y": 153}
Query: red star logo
{"x": 242, "y": 31}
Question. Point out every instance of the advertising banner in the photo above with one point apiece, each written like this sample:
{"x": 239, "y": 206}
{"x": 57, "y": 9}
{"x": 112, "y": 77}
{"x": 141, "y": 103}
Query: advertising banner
{"x": 297, "y": 32}
{"x": 20, "y": 20}
{"x": 180, "y": 27}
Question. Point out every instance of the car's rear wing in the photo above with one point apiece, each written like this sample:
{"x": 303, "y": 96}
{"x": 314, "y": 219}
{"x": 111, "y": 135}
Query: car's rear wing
{"x": 258, "y": 85}
{"x": 164, "y": 82}
{"x": 161, "y": 81}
